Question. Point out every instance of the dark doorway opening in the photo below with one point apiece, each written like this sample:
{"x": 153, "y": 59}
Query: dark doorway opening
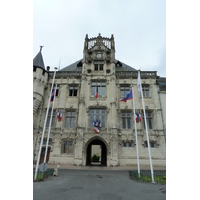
{"x": 43, "y": 154}
{"x": 103, "y": 153}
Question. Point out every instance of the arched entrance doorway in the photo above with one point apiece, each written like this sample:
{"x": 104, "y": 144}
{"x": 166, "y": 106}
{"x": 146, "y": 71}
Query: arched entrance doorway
{"x": 42, "y": 155}
{"x": 103, "y": 161}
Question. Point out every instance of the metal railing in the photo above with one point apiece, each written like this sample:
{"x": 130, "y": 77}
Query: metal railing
{"x": 145, "y": 176}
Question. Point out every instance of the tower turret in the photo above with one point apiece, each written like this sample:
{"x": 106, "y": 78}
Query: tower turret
{"x": 40, "y": 76}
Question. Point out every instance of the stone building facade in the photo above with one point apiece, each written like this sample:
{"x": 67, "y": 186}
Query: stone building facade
{"x": 72, "y": 138}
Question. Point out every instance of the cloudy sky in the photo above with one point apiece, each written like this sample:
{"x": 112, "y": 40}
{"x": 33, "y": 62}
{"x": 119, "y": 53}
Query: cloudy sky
{"x": 138, "y": 26}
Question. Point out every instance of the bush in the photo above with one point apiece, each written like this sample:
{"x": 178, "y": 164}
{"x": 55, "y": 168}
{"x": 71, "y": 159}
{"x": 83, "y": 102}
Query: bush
{"x": 95, "y": 158}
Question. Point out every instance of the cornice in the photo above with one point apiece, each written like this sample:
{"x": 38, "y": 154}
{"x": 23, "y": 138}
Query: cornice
{"x": 118, "y": 74}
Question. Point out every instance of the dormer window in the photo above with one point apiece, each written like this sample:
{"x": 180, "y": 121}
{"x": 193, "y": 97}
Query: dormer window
{"x": 79, "y": 64}
{"x": 118, "y": 64}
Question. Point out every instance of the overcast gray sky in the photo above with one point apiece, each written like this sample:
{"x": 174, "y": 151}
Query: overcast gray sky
{"x": 138, "y": 26}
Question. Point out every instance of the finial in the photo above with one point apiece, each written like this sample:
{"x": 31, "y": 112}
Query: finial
{"x": 41, "y": 48}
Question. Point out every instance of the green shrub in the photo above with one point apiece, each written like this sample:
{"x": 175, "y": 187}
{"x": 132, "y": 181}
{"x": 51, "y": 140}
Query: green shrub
{"x": 95, "y": 158}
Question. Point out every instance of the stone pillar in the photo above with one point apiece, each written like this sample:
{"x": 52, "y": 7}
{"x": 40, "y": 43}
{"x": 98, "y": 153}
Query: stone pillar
{"x": 114, "y": 147}
{"x": 78, "y": 147}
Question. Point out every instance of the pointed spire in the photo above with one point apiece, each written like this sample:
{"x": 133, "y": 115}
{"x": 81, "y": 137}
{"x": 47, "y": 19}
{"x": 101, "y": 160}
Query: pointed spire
{"x": 38, "y": 60}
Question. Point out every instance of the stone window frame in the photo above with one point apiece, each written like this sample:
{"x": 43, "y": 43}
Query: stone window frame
{"x": 53, "y": 118}
{"x": 146, "y": 90}
{"x": 74, "y": 86}
{"x": 98, "y": 65}
{"x": 126, "y": 111}
{"x": 67, "y": 116}
{"x": 126, "y": 89}
{"x": 153, "y": 144}
{"x": 63, "y": 141}
{"x": 148, "y": 117}
{"x": 98, "y": 108}
{"x": 101, "y": 84}
{"x": 57, "y": 90}
{"x": 126, "y": 142}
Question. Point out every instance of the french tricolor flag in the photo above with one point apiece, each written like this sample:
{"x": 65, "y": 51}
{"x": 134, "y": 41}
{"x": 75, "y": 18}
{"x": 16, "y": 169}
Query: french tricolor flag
{"x": 59, "y": 116}
{"x": 97, "y": 92}
{"x": 97, "y": 126}
{"x": 53, "y": 94}
{"x": 138, "y": 117}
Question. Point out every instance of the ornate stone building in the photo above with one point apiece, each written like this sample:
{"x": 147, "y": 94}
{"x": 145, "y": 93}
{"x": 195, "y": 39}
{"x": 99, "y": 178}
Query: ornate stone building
{"x": 72, "y": 139}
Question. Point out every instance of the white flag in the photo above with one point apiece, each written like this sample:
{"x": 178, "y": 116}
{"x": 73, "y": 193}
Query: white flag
{"x": 139, "y": 84}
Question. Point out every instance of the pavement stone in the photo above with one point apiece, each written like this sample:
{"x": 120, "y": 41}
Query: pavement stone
{"x": 81, "y": 184}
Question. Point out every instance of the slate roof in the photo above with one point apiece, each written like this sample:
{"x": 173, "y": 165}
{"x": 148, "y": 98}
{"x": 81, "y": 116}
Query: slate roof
{"x": 73, "y": 67}
{"x": 123, "y": 67}
{"x": 38, "y": 60}
{"x": 120, "y": 66}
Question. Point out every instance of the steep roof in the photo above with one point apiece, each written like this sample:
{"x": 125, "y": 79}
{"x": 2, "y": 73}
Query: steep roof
{"x": 74, "y": 66}
{"x": 38, "y": 60}
{"x": 119, "y": 66}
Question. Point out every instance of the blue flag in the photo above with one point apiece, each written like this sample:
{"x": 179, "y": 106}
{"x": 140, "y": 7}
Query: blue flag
{"x": 128, "y": 96}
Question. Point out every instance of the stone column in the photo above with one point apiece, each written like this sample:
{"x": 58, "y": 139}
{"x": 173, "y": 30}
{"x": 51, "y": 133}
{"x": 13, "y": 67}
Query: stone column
{"x": 114, "y": 147}
{"x": 78, "y": 147}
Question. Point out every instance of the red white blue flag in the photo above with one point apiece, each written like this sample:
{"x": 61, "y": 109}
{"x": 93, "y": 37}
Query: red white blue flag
{"x": 138, "y": 117}
{"x": 128, "y": 96}
{"x": 97, "y": 91}
{"x": 53, "y": 94}
{"x": 97, "y": 126}
{"x": 59, "y": 116}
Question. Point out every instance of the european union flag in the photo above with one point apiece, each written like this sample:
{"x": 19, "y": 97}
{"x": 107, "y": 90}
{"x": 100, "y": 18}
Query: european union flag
{"x": 128, "y": 96}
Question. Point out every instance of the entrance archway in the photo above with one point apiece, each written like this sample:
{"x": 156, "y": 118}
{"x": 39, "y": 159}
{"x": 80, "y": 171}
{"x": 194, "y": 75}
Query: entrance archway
{"x": 103, "y": 161}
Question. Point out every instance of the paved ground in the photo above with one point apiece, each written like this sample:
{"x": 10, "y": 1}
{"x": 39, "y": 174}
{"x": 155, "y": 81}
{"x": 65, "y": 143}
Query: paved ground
{"x": 96, "y": 184}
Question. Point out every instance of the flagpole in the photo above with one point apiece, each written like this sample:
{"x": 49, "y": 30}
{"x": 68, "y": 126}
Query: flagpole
{"x": 136, "y": 135}
{"x": 49, "y": 127}
{"x": 36, "y": 168}
{"x": 146, "y": 129}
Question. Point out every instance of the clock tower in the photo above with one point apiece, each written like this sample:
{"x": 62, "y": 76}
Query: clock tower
{"x": 98, "y": 50}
